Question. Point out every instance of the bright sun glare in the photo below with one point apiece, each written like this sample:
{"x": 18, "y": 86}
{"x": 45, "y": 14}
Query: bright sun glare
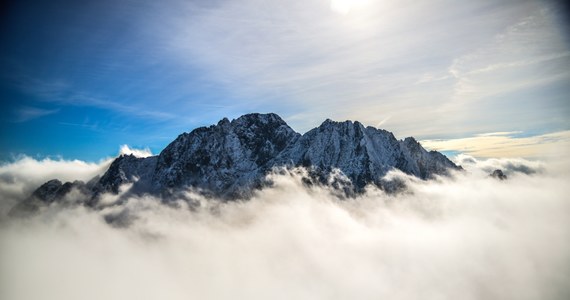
{"x": 345, "y": 6}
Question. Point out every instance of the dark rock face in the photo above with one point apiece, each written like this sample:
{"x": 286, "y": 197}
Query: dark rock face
{"x": 363, "y": 154}
{"x": 50, "y": 192}
{"x": 125, "y": 169}
{"x": 54, "y": 190}
{"x": 227, "y": 159}
{"x": 498, "y": 174}
{"x": 421, "y": 163}
{"x": 230, "y": 160}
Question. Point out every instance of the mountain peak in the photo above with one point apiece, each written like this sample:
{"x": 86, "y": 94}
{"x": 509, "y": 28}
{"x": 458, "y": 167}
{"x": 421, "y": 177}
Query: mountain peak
{"x": 224, "y": 122}
{"x": 231, "y": 159}
{"x": 329, "y": 122}
{"x": 259, "y": 118}
{"x": 410, "y": 140}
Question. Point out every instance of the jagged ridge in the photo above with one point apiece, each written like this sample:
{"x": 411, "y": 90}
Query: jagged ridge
{"x": 230, "y": 159}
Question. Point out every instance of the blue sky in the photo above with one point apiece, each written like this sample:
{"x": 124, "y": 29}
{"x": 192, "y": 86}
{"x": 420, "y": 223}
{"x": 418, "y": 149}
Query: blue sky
{"x": 78, "y": 79}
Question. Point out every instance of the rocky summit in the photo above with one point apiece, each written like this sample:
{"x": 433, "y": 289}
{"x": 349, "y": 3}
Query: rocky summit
{"x": 231, "y": 159}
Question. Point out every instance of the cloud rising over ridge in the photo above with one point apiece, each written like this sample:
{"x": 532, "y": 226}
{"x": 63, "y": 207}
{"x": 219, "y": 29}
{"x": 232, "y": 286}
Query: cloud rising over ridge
{"x": 468, "y": 237}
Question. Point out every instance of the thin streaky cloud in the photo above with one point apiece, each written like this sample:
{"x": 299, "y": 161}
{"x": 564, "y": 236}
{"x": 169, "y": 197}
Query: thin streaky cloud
{"x": 63, "y": 93}
{"x": 500, "y": 133}
{"x": 369, "y": 63}
{"x": 28, "y": 113}
{"x": 545, "y": 146}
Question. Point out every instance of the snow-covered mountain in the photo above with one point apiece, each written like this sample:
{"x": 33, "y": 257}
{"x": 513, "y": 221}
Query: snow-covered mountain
{"x": 227, "y": 159}
{"x": 231, "y": 159}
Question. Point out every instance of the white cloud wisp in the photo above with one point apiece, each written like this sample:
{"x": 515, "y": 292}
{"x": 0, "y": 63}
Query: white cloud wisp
{"x": 126, "y": 150}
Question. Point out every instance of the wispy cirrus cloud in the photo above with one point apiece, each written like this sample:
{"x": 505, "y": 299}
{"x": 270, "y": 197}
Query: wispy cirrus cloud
{"x": 381, "y": 59}
{"x": 437, "y": 69}
{"x": 63, "y": 93}
{"x": 532, "y": 42}
{"x": 27, "y": 113}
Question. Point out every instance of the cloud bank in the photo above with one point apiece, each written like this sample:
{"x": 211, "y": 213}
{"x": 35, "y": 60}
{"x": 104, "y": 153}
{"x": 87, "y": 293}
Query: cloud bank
{"x": 468, "y": 237}
{"x": 18, "y": 179}
{"x": 21, "y": 177}
{"x": 507, "y": 144}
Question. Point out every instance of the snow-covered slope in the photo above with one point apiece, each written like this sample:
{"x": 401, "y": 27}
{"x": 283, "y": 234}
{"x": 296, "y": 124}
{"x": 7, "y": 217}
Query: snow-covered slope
{"x": 363, "y": 154}
{"x": 230, "y": 159}
{"x": 227, "y": 159}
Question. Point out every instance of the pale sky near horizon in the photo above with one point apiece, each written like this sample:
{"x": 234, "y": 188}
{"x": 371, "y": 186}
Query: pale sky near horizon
{"x": 81, "y": 78}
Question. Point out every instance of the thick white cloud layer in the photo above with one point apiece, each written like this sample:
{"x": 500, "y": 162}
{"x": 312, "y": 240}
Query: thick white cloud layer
{"x": 469, "y": 237}
{"x": 19, "y": 178}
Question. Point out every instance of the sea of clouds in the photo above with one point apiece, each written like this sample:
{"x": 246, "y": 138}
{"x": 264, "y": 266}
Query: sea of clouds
{"x": 465, "y": 237}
